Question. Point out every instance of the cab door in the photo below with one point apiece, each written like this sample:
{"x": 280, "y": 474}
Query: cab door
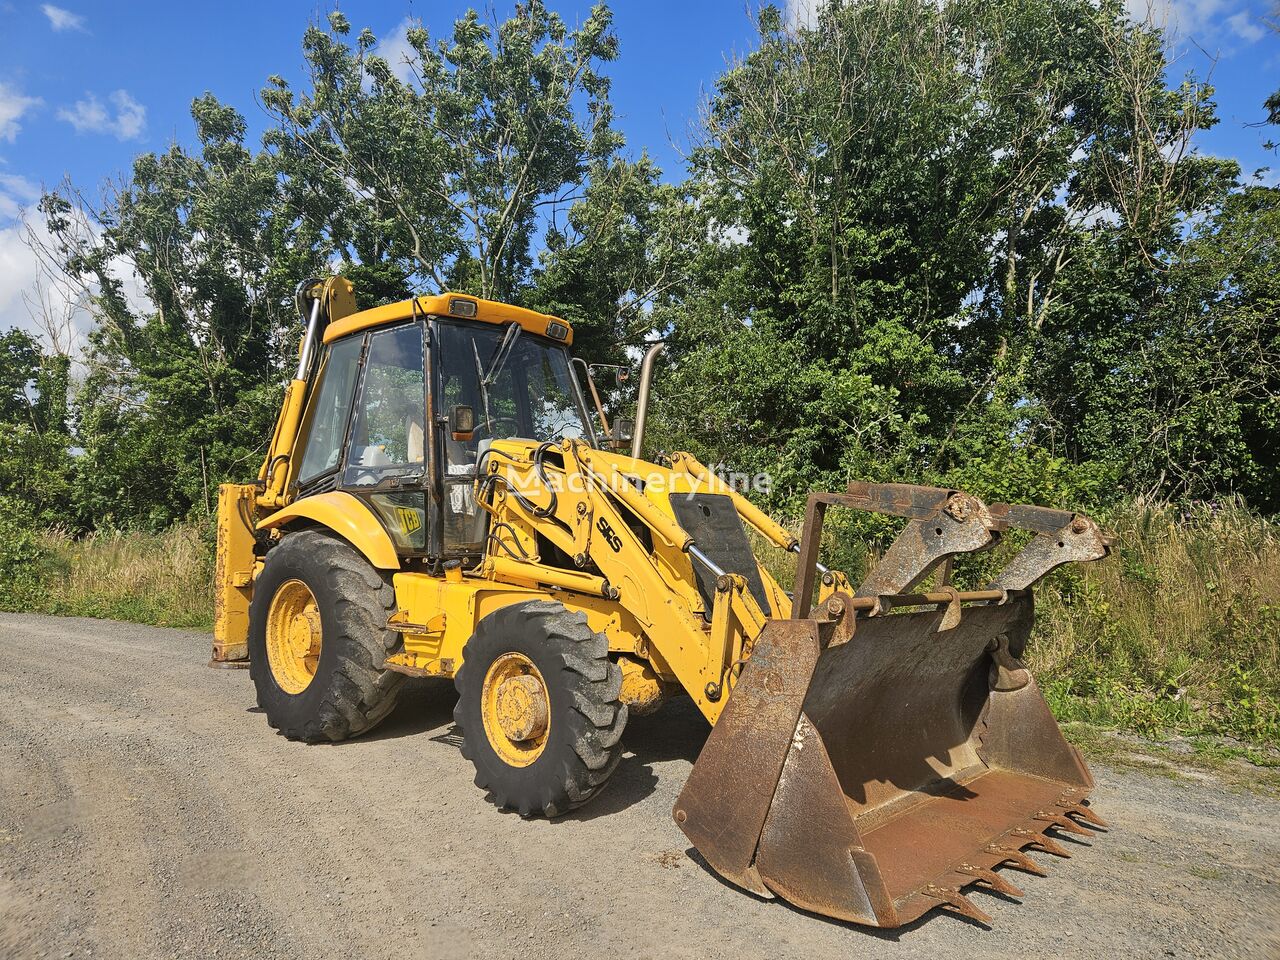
{"x": 388, "y": 448}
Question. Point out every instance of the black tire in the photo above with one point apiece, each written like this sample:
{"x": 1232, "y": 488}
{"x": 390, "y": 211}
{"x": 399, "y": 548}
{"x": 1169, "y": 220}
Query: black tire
{"x": 350, "y": 693}
{"x": 584, "y": 739}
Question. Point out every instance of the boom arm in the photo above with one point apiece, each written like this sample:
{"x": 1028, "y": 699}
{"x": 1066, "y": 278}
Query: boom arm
{"x": 598, "y": 517}
{"x": 328, "y": 300}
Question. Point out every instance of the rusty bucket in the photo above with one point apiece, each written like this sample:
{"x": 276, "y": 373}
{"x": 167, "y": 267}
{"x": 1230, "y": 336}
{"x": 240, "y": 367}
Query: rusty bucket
{"x": 880, "y": 755}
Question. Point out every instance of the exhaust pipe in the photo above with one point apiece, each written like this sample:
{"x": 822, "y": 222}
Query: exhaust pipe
{"x": 642, "y": 400}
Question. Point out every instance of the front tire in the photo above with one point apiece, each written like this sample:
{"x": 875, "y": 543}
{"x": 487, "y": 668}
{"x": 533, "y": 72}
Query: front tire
{"x": 318, "y": 640}
{"x": 538, "y": 708}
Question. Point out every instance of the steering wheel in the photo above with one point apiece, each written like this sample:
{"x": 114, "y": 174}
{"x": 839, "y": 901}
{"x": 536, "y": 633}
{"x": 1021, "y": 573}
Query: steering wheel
{"x": 493, "y": 422}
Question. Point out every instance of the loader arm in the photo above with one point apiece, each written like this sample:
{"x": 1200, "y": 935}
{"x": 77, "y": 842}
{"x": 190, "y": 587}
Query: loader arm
{"x": 870, "y": 757}
{"x": 625, "y": 547}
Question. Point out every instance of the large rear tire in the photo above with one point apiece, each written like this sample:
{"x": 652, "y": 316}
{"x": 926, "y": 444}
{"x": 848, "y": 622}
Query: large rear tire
{"x": 318, "y": 640}
{"x": 538, "y": 708}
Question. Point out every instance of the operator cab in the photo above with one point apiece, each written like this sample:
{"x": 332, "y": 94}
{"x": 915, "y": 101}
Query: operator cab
{"x": 408, "y": 399}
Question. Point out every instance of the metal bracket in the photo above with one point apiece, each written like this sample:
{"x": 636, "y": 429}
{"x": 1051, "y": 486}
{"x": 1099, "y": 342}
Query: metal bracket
{"x": 943, "y": 523}
{"x": 1061, "y": 537}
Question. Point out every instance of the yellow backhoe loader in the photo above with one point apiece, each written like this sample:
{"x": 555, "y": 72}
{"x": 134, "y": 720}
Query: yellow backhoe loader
{"x": 439, "y": 500}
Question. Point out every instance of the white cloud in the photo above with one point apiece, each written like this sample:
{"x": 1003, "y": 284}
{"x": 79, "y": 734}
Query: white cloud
{"x": 13, "y": 105}
{"x": 91, "y": 115}
{"x": 30, "y": 288}
{"x": 1204, "y": 21}
{"x": 61, "y": 19}
{"x": 16, "y": 194}
{"x": 397, "y": 51}
{"x": 1245, "y": 26}
{"x": 21, "y": 269}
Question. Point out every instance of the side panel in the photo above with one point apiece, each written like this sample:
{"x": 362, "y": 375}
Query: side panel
{"x": 233, "y": 573}
{"x": 346, "y": 516}
{"x": 437, "y": 616}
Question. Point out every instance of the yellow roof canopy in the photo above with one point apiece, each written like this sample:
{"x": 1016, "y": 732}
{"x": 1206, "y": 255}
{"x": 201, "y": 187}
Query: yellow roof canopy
{"x": 455, "y": 305}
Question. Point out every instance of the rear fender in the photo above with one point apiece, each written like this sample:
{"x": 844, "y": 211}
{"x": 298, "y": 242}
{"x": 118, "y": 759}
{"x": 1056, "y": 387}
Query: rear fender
{"x": 348, "y": 518}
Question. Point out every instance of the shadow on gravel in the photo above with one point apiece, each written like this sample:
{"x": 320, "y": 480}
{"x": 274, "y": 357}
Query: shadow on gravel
{"x": 942, "y": 915}
{"x": 676, "y": 732}
{"x": 425, "y": 706}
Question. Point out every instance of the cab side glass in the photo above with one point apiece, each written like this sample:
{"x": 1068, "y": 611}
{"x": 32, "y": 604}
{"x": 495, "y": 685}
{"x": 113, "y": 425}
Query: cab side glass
{"x": 329, "y": 410}
{"x": 388, "y": 436}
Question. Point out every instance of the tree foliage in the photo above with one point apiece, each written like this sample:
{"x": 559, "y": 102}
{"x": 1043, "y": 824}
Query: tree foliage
{"x": 964, "y": 242}
{"x": 969, "y": 243}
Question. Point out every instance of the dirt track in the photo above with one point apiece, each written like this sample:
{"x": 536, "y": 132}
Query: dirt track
{"x": 146, "y": 810}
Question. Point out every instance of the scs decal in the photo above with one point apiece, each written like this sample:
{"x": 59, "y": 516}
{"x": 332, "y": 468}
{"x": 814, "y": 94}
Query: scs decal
{"x": 610, "y": 537}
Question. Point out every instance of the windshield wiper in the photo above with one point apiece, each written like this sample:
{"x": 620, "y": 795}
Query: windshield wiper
{"x": 502, "y": 354}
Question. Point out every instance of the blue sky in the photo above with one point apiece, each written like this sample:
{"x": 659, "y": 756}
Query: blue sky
{"x": 84, "y": 86}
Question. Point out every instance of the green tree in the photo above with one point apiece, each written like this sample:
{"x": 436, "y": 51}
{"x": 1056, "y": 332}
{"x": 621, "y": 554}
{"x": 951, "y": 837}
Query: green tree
{"x": 924, "y": 224}
{"x": 182, "y": 385}
{"x": 444, "y": 165}
{"x": 35, "y": 458}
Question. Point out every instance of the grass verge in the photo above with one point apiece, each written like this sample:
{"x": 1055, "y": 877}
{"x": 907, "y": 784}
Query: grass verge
{"x": 1174, "y": 639}
{"x": 162, "y": 579}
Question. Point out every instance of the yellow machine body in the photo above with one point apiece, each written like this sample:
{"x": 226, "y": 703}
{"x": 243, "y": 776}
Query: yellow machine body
{"x": 838, "y": 710}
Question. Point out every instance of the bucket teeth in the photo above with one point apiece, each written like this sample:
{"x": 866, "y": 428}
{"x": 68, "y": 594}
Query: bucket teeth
{"x": 1084, "y": 813}
{"x": 1018, "y": 859}
{"x": 958, "y": 902}
{"x": 1047, "y": 844}
{"x": 1064, "y": 822}
{"x": 992, "y": 880}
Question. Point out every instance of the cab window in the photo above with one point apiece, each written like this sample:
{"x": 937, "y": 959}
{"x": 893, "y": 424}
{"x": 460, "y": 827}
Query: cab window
{"x": 329, "y": 410}
{"x": 388, "y": 435}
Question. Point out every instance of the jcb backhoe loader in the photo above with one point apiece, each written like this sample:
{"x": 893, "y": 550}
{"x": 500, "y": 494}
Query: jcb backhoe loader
{"x": 436, "y": 501}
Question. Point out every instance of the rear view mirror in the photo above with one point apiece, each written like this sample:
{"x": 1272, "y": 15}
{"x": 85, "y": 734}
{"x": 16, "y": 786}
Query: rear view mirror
{"x": 462, "y": 421}
{"x": 623, "y": 430}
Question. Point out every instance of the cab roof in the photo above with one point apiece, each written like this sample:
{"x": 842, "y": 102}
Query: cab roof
{"x": 455, "y": 305}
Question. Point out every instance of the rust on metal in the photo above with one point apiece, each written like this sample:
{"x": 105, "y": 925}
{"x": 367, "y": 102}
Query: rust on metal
{"x": 1064, "y": 822}
{"x": 992, "y": 880}
{"x": 956, "y": 901}
{"x": 1060, "y": 537}
{"x": 1014, "y": 856}
{"x": 884, "y": 752}
{"x": 724, "y": 803}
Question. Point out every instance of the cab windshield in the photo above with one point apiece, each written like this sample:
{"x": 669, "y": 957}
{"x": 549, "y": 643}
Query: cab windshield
{"x": 517, "y": 385}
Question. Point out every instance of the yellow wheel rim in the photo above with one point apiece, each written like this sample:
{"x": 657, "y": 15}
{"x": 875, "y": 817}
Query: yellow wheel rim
{"x": 293, "y": 636}
{"x": 516, "y": 709}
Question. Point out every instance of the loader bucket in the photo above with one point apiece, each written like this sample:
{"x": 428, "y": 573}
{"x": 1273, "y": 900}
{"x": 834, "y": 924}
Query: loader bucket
{"x": 870, "y": 765}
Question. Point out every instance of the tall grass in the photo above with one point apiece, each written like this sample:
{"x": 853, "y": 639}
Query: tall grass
{"x": 1177, "y": 632}
{"x": 157, "y": 578}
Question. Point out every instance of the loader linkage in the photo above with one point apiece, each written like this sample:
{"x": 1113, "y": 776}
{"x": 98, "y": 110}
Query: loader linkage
{"x": 870, "y": 765}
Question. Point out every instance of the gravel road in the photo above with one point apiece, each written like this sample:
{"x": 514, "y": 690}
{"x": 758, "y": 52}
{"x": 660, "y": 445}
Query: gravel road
{"x": 147, "y": 810}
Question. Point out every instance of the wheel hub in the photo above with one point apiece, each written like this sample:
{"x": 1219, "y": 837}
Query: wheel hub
{"x": 294, "y": 636}
{"x": 516, "y": 709}
{"x": 522, "y": 708}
